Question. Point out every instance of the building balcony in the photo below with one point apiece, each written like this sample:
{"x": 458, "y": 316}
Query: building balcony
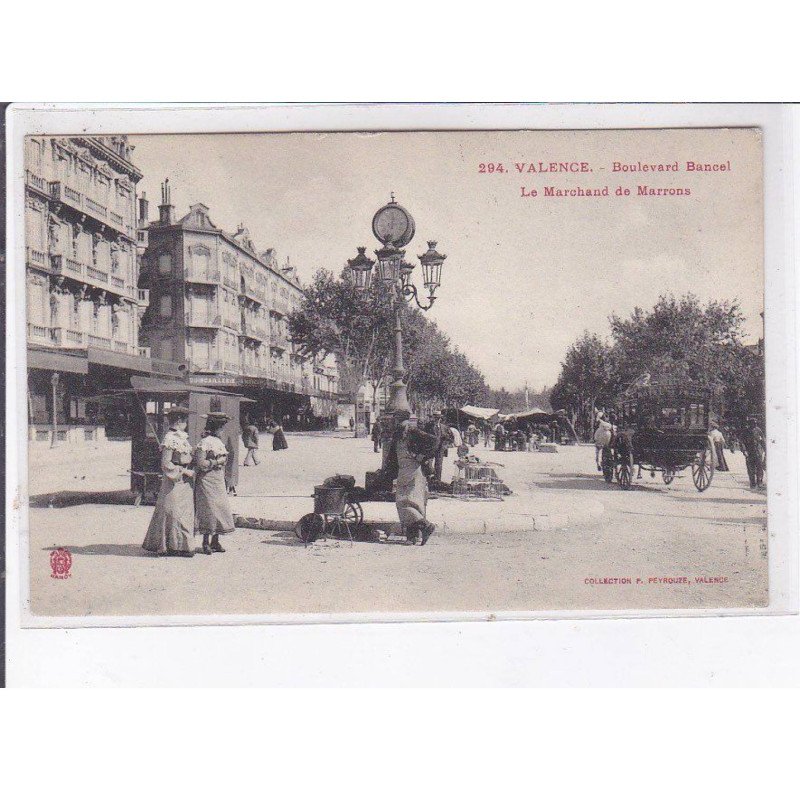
{"x": 36, "y": 182}
{"x": 63, "y": 192}
{"x": 196, "y": 319}
{"x": 41, "y": 334}
{"x": 252, "y": 292}
{"x": 251, "y": 331}
{"x": 66, "y": 337}
{"x": 232, "y": 367}
{"x": 70, "y": 267}
{"x": 196, "y": 276}
{"x": 35, "y": 258}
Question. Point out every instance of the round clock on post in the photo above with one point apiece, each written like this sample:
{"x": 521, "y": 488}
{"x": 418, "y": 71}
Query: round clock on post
{"x": 393, "y": 225}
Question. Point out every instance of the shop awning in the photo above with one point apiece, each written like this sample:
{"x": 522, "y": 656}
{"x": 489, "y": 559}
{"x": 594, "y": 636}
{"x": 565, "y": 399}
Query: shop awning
{"x": 58, "y": 361}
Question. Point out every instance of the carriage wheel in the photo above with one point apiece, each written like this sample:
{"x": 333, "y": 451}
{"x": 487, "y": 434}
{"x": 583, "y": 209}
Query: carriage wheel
{"x": 607, "y": 463}
{"x": 353, "y": 513}
{"x": 668, "y": 475}
{"x": 625, "y": 474}
{"x": 703, "y": 469}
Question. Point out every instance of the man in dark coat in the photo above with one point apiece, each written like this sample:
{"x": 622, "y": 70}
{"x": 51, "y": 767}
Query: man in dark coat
{"x": 250, "y": 441}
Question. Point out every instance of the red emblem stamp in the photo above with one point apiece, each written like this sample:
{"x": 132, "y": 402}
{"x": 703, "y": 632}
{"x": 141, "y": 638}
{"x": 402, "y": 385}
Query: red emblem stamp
{"x": 60, "y": 562}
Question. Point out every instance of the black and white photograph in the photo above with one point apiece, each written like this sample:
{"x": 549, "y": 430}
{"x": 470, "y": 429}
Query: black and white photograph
{"x": 380, "y": 373}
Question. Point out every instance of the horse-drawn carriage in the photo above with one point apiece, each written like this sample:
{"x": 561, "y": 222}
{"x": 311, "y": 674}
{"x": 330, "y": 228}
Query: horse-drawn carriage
{"x": 661, "y": 427}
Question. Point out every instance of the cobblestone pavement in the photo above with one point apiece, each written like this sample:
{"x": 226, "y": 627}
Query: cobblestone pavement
{"x": 654, "y": 546}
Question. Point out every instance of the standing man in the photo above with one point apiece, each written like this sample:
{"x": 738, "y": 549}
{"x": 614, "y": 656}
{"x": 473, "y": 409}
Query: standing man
{"x": 376, "y": 435}
{"x": 755, "y": 453}
{"x": 250, "y": 440}
{"x": 499, "y": 436}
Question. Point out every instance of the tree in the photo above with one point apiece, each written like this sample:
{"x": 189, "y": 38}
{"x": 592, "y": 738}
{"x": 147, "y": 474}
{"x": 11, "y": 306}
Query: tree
{"x": 336, "y": 319}
{"x": 585, "y": 381}
{"x": 679, "y": 340}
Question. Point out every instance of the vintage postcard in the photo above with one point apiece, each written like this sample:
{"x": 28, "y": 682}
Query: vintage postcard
{"x": 379, "y": 374}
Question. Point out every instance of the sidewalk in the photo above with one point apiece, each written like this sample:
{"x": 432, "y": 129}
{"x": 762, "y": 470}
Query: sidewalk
{"x": 275, "y": 494}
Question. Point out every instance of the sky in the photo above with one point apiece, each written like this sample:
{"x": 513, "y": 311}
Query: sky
{"x": 525, "y": 275}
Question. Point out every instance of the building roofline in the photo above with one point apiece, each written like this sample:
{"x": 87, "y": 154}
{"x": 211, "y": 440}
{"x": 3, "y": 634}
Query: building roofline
{"x": 156, "y": 226}
{"x": 121, "y": 163}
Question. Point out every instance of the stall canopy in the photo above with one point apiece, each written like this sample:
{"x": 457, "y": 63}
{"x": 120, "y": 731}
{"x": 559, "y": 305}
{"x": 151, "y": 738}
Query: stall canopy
{"x": 478, "y": 412}
{"x": 537, "y": 415}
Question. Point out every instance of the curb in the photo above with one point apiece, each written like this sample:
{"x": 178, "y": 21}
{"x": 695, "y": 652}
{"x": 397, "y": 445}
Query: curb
{"x": 517, "y": 523}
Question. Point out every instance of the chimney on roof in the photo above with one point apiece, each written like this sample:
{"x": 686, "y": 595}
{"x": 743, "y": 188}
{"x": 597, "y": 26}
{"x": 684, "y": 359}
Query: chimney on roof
{"x": 144, "y": 210}
{"x": 166, "y": 211}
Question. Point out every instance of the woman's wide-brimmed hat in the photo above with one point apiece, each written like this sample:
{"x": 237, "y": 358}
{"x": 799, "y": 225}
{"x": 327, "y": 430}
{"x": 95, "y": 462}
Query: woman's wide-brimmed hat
{"x": 216, "y": 416}
{"x": 178, "y": 411}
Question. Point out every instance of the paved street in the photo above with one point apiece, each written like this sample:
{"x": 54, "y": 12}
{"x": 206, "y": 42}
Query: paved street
{"x": 677, "y": 548}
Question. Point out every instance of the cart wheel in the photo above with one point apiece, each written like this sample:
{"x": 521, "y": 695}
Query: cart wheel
{"x": 137, "y": 500}
{"x": 625, "y": 475}
{"x": 607, "y": 464}
{"x": 309, "y": 528}
{"x": 668, "y": 476}
{"x": 703, "y": 469}
{"x": 353, "y": 513}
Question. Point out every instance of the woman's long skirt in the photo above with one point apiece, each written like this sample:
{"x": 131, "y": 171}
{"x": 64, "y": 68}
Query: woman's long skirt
{"x": 212, "y": 509}
{"x": 172, "y": 525}
{"x": 722, "y": 464}
{"x": 411, "y": 495}
{"x": 279, "y": 441}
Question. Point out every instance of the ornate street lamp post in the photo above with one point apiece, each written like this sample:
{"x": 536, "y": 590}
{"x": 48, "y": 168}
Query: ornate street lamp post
{"x": 394, "y": 228}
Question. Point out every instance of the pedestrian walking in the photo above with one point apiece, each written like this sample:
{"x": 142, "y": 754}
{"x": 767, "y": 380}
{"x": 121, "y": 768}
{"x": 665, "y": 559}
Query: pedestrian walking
{"x": 171, "y": 527}
{"x": 718, "y": 441}
{"x": 250, "y": 440}
{"x": 213, "y": 516}
{"x": 487, "y": 434}
{"x": 411, "y": 447}
{"x": 278, "y": 436}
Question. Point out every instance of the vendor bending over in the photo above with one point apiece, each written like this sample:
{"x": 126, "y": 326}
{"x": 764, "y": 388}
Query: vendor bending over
{"x": 411, "y": 448}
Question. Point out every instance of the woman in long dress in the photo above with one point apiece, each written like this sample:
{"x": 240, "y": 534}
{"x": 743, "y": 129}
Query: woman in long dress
{"x": 213, "y": 516}
{"x": 172, "y": 526}
{"x": 278, "y": 437}
{"x": 411, "y": 494}
{"x": 602, "y": 437}
{"x": 718, "y": 440}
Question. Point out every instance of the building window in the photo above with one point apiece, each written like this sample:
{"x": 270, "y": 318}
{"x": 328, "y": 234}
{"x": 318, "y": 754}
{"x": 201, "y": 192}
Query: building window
{"x": 165, "y": 306}
{"x": 165, "y": 264}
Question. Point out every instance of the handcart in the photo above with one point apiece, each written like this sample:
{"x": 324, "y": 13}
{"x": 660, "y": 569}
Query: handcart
{"x": 336, "y": 511}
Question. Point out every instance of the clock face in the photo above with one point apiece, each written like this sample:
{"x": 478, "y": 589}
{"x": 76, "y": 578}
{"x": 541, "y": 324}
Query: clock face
{"x": 393, "y": 224}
